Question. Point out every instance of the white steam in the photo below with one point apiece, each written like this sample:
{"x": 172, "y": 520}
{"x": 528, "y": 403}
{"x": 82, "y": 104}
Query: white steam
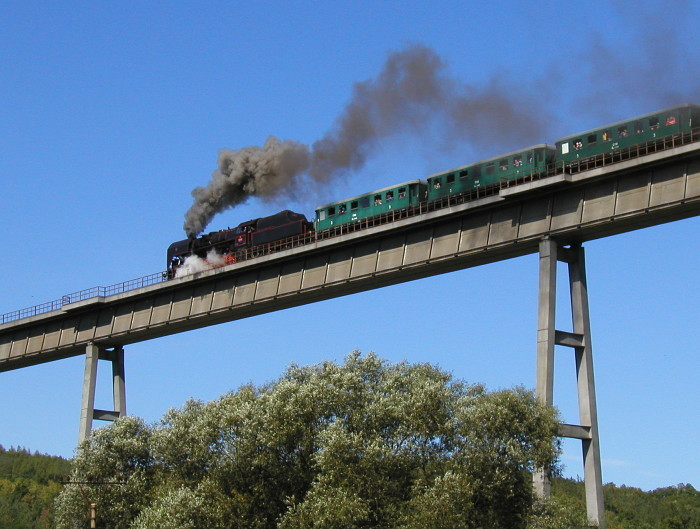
{"x": 194, "y": 264}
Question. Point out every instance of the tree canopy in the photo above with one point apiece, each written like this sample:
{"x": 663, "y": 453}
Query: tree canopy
{"x": 361, "y": 444}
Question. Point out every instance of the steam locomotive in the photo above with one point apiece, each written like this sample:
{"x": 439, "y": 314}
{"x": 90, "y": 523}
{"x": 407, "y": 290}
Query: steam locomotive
{"x": 613, "y": 142}
{"x": 250, "y": 234}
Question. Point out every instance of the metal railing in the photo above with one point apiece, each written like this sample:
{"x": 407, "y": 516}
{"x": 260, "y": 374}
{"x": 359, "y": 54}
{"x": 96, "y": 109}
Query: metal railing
{"x": 602, "y": 160}
{"x": 655, "y": 145}
{"x": 82, "y": 295}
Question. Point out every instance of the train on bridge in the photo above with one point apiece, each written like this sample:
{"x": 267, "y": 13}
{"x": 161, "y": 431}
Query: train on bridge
{"x": 594, "y": 148}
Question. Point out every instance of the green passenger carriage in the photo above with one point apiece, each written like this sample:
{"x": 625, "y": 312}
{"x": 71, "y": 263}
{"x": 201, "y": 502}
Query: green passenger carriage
{"x": 512, "y": 166}
{"x": 651, "y": 127}
{"x": 399, "y": 196}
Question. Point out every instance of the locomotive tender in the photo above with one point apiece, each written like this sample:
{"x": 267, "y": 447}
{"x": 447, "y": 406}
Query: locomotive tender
{"x": 568, "y": 154}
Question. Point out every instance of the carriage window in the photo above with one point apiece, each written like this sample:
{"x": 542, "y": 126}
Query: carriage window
{"x": 353, "y": 205}
{"x": 518, "y": 161}
{"x": 529, "y": 157}
{"x": 389, "y": 196}
{"x": 377, "y": 200}
{"x": 463, "y": 173}
{"x": 638, "y": 127}
{"x": 503, "y": 164}
{"x": 450, "y": 178}
{"x": 322, "y": 214}
{"x": 607, "y": 136}
{"x": 436, "y": 183}
{"x": 364, "y": 202}
{"x": 578, "y": 144}
{"x": 592, "y": 139}
{"x": 490, "y": 168}
{"x": 653, "y": 123}
{"x": 342, "y": 209}
{"x": 402, "y": 193}
{"x": 671, "y": 120}
{"x": 622, "y": 131}
{"x": 331, "y": 212}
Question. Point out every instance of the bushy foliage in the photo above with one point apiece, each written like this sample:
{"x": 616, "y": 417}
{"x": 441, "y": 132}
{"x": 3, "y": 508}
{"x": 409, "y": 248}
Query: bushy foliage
{"x": 114, "y": 469}
{"x": 362, "y": 444}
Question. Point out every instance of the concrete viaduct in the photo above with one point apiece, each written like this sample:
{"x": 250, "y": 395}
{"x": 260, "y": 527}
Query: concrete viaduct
{"x": 552, "y": 216}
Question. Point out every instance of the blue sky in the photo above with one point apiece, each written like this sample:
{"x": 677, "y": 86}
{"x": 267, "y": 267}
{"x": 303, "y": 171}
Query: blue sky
{"x": 111, "y": 113}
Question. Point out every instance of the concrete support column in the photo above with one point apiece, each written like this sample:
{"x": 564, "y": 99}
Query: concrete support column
{"x": 545, "y": 339}
{"x": 545, "y": 321}
{"x": 89, "y": 381}
{"x": 588, "y": 410}
{"x": 580, "y": 340}
{"x": 88, "y": 413}
{"x": 116, "y": 356}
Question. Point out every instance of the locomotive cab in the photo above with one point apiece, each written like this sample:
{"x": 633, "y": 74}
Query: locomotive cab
{"x": 177, "y": 252}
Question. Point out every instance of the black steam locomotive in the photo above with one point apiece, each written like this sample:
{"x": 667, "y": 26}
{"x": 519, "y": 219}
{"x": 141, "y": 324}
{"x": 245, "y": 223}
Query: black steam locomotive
{"x": 246, "y": 235}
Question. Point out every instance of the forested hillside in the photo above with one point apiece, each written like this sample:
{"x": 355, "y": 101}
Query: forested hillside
{"x": 676, "y": 507}
{"x": 28, "y": 485}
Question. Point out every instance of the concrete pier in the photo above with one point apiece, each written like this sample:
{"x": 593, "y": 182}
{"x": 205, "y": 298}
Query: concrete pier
{"x": 88, "y": 413}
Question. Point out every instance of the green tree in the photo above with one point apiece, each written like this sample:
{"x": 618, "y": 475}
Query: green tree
{"x": 362, "y": 444}
{"x": 113, "y": 469}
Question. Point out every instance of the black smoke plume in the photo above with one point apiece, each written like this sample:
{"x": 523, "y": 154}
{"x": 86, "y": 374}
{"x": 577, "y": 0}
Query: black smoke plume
{"x": 411, "y": 93}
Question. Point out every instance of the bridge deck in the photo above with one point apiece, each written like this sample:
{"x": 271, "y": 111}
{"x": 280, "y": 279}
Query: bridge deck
{"x": 637, "y": 193}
